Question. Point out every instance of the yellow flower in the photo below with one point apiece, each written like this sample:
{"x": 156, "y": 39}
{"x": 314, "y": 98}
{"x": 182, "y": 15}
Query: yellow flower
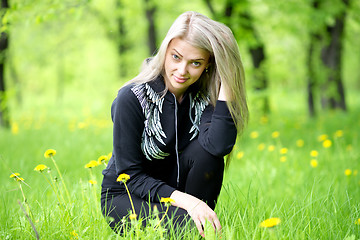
{"x": 254, "y": 134}
{"x": 132, "y": 216}
{"x": 283, "y": 159}
{"x": 339, "y": 133}
{"x": 74, "y": 234}
{"x": 271, "y": 222}
{"x": 49, "y": 153}
{"x": 261, "y": 146}
{"x": 14, "y": 128}
{"x": 264, "y": 119}
{"x": 275, "y": 134}
{"x": 92, "y": 182}
{"x": 123, "y": 178}
{"x": 300, "y": 143}
{"x": 348, "y": 172}
{"x": 283, "y": 150}
{"x": 314, "y": 153}
{"x": 357, "y": 222}
{"x": 271, "y": 148}
{"x": 40, "y": 167}
{"x": 14, "y": 175}
{"x": 314, "y": 163}
{"x": 102, "y": 159}
{"x": 322, "y": 137}
{"x": 19, "y": 179}
{"x": 167, "y": 201}
{"x": 91, "y": 164}
{"x": 327, "y": 143}
{"x": 240, "y": 155}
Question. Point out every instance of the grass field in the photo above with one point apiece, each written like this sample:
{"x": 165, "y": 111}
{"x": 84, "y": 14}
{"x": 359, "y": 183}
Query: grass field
{"x": 304, "y": 172}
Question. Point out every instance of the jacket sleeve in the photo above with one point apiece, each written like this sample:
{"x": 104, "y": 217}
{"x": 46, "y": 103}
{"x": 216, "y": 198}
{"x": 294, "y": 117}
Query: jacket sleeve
{"x": 217, "y": 130}
{"x": 128, "y": 121}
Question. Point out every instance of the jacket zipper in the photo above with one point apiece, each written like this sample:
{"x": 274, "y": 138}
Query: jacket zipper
{"x": 176, "y": 144}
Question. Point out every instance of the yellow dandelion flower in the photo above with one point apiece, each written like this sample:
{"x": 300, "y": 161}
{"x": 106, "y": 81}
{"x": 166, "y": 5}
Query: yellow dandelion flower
{"x": 271, "y": 222}
{"x": 123, "y": 178}
{"x": 49, "y": 153}
{"x": 40, "y": 168}
{"x": 283, "y": 159}
{"x": 261, "y": 146}
{"x": 91, "y": 164}
{"x": 357, "y": 222}
{"x": 264, "y": 119}
{"x": 327, "y": 143}
{"x": 314, "y": 153}
{"x": 348, "y": 172}
{"x": 254, "y": 134}
{"x": 102, "y": 159}
{"x": 14, "y": 128}
{"x": 271, "y": 148}
{"x": 132, "y": 216}
{"x": 240, "y": 155}
{"x": 20, "y": 179}
{"x": 283, "y": 150}
{"x": 300, "y": 143}
{"x": 14, "y": 175}
{"x": 339, "y": 133}
{"x": 322, "y": 137}
{"x": 74, "y": 234}
{"x": 92, "y": 182}
{"x": 275, "y": 134}
{"x": 167, "y": 201}
{"x": 314, "y": 163}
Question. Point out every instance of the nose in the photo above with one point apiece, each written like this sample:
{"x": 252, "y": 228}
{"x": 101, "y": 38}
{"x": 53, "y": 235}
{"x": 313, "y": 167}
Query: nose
{"x": 182, "y": 68}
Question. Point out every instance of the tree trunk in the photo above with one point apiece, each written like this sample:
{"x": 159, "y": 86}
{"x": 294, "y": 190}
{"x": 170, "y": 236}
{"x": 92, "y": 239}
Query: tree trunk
{"x": 4, "y": 110}
{"x": 150, "y": 10}
{"x": 122, "y": 45}
{"x": 331, "y": 57}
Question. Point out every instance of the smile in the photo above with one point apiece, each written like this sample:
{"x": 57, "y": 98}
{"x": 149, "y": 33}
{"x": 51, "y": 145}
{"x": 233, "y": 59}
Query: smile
{"x": 180, "y": 79}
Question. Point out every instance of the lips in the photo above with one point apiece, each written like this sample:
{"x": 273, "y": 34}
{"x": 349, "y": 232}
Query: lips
{"x": 180, "y": 79}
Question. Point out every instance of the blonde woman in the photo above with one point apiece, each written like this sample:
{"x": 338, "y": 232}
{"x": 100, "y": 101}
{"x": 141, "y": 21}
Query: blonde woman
{"x": 175, "y": 122}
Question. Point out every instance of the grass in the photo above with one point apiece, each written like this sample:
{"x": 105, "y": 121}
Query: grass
{"x": 263, "y": 181}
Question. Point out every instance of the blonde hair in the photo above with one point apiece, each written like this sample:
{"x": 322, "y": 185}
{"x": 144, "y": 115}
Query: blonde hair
{"x": 225, "y": 62}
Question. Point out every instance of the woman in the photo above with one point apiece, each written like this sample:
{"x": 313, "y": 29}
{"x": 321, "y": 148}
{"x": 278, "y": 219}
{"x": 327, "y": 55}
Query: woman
{"x": 174, "y": 123}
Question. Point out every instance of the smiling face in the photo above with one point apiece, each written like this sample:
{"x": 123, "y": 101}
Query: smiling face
{"x": 184, "y": 65}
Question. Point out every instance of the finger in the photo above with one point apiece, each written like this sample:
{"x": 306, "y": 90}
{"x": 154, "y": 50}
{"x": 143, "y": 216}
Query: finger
{"x": 199, "y": 227}
{"x": 217, "y": 225}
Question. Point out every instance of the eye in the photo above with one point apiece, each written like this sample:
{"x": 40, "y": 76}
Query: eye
{"x": 196, "y": 64}
{"x": 175, "y": 57}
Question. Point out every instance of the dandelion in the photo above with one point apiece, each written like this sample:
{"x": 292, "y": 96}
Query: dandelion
{"x": 357, "y": 222}
{"x": 102, "y": 159}
{"x": 348, "y": 172}
{"x": 300, "y": 143}
{"x": 275, "y": 134}
{"x": 124, "y": 178}
{"x": 167, "y": 202}
{"x": 132, "y": 216}
{"x": 74, "y": 234}
{"x": 314, "y": 153}
{"x": 327, "y": 143}
{"x": 322, "y": 137}
{"x": 19, "y": 179}
{"x": 271, "y": 148}
{"x": 14, "y": 175}
{"x": 40, "y": 168}
{"x": 240, "y": 155}
{"x": 264, "y": 119}
{"x": 283, "y": 150}
{"x": 92, "y": 182}
{"x": 339, "y": 133}
{"x": 314, "y": 163}
{"x": 49, "y": 153}
{"x": 261, "y": 146}
{"x": 283, "y": 159}
{"x": 91, "y": 164}
{"x": 14, "y": 128}
{"x": 254, "y": 134}
{"x": 271, "y": 222}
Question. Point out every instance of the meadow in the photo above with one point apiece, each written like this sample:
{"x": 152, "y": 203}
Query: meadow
{"x": 300, "y": 172}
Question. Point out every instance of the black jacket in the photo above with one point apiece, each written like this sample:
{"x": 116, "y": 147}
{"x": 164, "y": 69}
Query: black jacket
{"x": 150, "y": 131}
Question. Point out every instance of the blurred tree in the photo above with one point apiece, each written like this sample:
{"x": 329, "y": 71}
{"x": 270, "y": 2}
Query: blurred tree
{"x": 4, "y": 110}
{"x": 150, "y": 10}
{"x": 237, "y": 15}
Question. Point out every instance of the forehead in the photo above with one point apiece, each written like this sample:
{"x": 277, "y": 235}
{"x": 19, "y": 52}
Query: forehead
{"x": 186, "y": 50}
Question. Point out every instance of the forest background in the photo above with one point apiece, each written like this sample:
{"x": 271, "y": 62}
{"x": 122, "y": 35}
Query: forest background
{"x": 62, "y": 63}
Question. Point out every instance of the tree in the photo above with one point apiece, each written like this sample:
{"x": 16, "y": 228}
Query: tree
{"x": 150, "y": 10}
{"x": 4, "y": 111}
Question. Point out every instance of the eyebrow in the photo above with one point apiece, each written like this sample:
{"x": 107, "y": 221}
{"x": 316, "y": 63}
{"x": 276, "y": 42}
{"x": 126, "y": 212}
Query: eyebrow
{"x": 196, "y": 59}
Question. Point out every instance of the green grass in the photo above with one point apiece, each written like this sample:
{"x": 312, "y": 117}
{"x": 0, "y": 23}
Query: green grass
{"x": 312, "y": 203}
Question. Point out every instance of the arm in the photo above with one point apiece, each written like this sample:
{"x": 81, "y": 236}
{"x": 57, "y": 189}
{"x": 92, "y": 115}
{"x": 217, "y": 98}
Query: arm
{"x": 127, "y": 132}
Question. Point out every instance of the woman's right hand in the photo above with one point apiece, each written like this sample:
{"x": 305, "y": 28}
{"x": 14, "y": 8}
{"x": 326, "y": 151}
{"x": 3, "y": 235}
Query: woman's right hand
{"x": 198, "y": 210}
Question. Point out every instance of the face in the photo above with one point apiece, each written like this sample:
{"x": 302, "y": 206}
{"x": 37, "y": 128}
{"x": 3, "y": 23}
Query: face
{"x": 184, "y": 65}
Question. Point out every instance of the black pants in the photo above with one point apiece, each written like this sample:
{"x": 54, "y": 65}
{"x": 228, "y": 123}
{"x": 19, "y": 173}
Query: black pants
{"x": 201, "y": 175}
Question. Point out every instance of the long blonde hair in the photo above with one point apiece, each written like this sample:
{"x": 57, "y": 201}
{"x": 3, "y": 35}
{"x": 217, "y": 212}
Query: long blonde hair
{"x": 225, "y": 62}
